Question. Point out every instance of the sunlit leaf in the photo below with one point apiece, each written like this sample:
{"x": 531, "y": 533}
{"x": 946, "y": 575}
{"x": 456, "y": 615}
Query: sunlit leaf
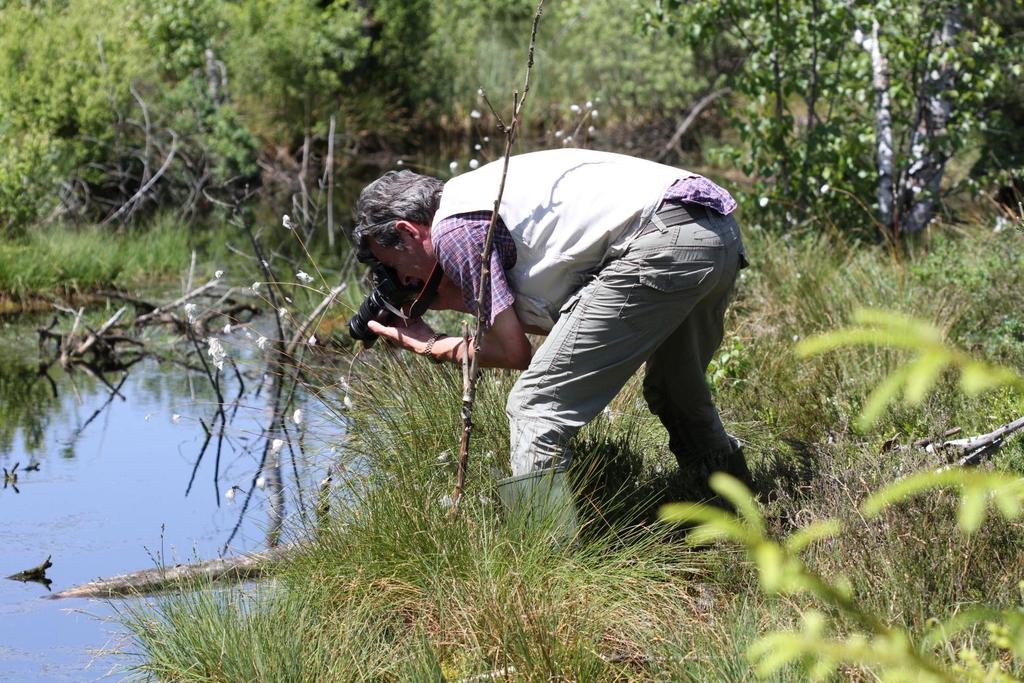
{"x": 770, "y": 563}
{"x": 942, "y": 630}
{"x": 976, "y": 377}
{"x": 1008, "y": 502}
{"x": 884, "y": 394}
{"x": 972, "y": 509}
{"x": 739, "y": 495}
{"x": 898, "y": 325}
{"x": 830, "y": 341}
{"x": 813, "y": 532}
{"x": 909, "y": 486}
{"x": 774, "y": 651}
{"x": 691, "y": 513}
{"x": 923, "y": 373}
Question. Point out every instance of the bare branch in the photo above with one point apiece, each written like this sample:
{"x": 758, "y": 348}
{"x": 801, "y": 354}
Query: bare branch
{"x": 485, "y": 273}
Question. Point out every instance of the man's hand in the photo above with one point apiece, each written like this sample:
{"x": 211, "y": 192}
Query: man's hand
{"x": 412, "y": 335}
{"x": 505, "y": 346}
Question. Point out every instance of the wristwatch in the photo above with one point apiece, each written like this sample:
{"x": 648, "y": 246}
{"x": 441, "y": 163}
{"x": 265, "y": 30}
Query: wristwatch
{"x": 428, "y": 349}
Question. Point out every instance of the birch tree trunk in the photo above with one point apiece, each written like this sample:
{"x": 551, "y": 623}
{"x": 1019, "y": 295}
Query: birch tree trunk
{"x": 922, "y": 181}
{"x": 883, "y": 122}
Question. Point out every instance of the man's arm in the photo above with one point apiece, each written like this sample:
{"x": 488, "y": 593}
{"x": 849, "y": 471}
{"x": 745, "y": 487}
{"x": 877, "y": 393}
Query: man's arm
{"x": 504, "y": 346}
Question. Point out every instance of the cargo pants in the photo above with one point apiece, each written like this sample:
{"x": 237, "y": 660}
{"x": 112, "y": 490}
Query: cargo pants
{"x": 661, "y": 303}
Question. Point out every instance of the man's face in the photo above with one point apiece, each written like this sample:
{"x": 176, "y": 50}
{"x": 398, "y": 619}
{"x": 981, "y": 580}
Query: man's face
{"x": 415, "y": 260}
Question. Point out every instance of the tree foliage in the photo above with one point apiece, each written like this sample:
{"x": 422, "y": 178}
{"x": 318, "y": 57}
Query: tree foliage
{"x": 808, "y": 106}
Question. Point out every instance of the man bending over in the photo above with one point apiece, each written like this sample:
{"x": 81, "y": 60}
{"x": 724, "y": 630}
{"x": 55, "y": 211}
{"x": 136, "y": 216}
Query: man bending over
{"x": 620, "y": 262}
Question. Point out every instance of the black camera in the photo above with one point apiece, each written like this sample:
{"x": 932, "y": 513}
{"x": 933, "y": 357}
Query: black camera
{"x": 387, "y": 296}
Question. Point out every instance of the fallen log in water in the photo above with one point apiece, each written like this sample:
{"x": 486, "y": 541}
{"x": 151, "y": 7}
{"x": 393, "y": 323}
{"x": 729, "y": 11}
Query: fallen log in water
{"x": 239, "y": 568}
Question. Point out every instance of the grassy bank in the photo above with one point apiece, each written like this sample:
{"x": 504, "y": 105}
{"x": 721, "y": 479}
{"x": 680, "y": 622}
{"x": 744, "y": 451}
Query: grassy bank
{"x": 69, "y": 260}
{"x": 393, "y": 589}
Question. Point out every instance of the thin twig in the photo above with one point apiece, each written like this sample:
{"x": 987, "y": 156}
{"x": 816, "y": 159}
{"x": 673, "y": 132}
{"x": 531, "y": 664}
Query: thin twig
{"x": 146, "y": 186}
{"x": 690, "y": 118}
{"x": 300, "y": 332}
{"x": 98, "y": 334}
{"x": 485, "y": 270}
{"x": 159, "y": 310}
{"x": 329, "y": 172}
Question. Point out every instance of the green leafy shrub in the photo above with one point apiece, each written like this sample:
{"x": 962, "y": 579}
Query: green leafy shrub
{"x": 837, "y": 629}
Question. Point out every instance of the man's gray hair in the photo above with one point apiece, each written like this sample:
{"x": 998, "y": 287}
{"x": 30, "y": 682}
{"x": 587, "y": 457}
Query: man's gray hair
{"x": 395, "y": 196}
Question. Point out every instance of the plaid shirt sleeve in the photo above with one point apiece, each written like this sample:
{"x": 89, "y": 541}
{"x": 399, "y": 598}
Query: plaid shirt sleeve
{"x": 458, "y": 243}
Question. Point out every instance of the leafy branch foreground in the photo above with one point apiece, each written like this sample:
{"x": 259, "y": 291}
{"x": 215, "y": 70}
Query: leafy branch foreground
{"x": 892, "y": 652}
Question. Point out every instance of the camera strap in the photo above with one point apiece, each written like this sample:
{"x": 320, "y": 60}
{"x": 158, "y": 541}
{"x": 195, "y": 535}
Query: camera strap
{"x": 428, "y": 293}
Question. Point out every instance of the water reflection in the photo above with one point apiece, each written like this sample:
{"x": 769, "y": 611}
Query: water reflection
{"x": 110, "y": 481}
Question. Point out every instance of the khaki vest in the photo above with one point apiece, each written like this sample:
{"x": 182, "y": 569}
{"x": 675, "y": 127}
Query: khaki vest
{"x": 569, "y": 212}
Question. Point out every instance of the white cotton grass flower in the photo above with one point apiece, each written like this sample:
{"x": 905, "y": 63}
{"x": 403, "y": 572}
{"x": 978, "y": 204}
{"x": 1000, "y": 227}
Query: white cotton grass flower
{"x": 591, "y": 130}
{"x": 796, "y": 337}
{"x": 255, "y": 287}
{"x": 312, "y": 340}
{"x": 824, "y": 189}
{"x": 487, "y": 138}
{"x": 303, "y": 277}
{"x": 227, "y": 328}
{"x": 473, "y": 163}
{"x": 348, "y": 402}
{"x": 574, "y": 108}
{"x": 297, "y": 416}
{"x": 261, "y": 342}
{"x": 558, "y": 133}
{"x": 230, "y": 494}
{"x": 479, "y": 92}
{"x": 400, "y": 162}
{"x": 218, "y": 274}
{"x": 175, "y": 419}
{"x": 282, "y": 312}
{"x": 276, "y": 445}
{"x": 261, "y": 482}
{"x": 593, "y": 114}
{"x": 762, "y": 202}
{"x": 216, "y": 352}
{"x": 589, "y": 105}
{"x": 190, "y": 312}
{"x": 478, "y": 147}
{"x": 287, "y": 222}
{"x": 475, "y": 114}
{"x": 453, "y": 166}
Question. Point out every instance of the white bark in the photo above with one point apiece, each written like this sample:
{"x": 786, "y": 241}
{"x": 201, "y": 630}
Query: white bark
{"x": 883, "y": 121}
{"x": 927, "y": 164}
{"x": 148, "y": 581}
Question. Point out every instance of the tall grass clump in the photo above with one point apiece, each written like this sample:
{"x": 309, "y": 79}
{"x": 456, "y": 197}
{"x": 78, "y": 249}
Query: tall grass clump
{"x": 456, "y": 595}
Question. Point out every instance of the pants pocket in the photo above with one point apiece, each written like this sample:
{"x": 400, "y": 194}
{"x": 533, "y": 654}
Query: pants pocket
{"x": 676, "y": 277}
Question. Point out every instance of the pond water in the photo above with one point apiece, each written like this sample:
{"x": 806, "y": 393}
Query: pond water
{"x": 102, "y": 489}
